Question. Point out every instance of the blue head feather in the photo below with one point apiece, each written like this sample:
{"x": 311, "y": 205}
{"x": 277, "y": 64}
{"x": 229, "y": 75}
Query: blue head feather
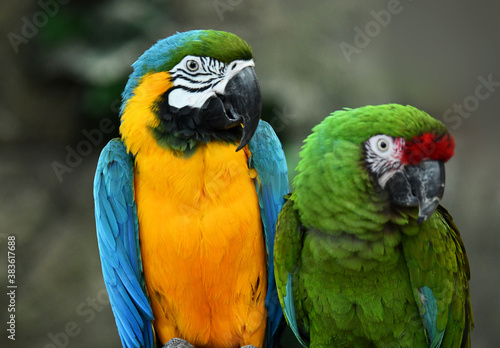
{"x": 157, "y": 58}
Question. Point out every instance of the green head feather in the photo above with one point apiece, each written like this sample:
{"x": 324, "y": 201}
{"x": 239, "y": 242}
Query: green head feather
{"x": 333, "y": 187}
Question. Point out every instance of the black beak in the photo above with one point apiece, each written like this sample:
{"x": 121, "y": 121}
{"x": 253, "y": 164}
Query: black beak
{"x": 240, "y": 104}
{"x": 243, "y": 103}
{"x": 419, "y": 186}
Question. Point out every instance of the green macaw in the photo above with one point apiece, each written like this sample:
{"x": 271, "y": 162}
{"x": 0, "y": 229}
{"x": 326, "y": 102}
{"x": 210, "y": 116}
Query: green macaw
{"x": 364, "y": 254}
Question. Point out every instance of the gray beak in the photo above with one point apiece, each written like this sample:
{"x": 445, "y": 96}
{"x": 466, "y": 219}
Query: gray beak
{"x": 419, "y": 186}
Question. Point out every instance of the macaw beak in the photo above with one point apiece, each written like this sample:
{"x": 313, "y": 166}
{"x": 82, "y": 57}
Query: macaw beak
{"x": 240, "y": 104}
{"x": 419, "y": 186}
{"x": 243, "y": 103}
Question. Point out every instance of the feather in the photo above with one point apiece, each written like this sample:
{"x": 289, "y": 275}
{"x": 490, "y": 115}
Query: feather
{"x": 117, "y": 236}
{"x": 290, "y": 311}
{"x": 429, "y": 313}
{"x": 268, "y": 159}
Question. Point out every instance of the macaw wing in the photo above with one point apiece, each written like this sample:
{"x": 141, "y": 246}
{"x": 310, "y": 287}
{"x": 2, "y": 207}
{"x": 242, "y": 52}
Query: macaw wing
{"x": 439, "y": 275}
{"x": 287, "y": 256}
{"x": 268, "y": 158}
{"x": 118, "y": 240}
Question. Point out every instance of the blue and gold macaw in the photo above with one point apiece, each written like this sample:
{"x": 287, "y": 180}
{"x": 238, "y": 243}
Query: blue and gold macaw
{"x": 187, "y": 199}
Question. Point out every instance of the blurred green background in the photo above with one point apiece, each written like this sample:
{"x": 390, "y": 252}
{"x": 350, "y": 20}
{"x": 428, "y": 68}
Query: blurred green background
{"x": 63, "y": 65}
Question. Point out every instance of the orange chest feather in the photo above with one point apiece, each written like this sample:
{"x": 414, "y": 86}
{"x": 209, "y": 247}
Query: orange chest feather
{"x": 192, "y": 200}
{"x": 202, "y": 244}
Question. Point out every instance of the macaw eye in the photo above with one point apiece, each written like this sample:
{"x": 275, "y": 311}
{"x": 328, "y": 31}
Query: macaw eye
{"x": 383, "y": 145}
{"x": 192, "y": 65}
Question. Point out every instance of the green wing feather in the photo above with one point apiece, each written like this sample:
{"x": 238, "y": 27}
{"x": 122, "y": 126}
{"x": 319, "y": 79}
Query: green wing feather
{"x": 439, "y": 275}
{"x": 287, "y": 251}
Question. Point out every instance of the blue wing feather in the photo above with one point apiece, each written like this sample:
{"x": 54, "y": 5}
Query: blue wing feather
{"x": 429, "y": 313}
{"x": 118, "y": 239}
{"x": 269, "y": 160}
{"x": 290, "y": 311}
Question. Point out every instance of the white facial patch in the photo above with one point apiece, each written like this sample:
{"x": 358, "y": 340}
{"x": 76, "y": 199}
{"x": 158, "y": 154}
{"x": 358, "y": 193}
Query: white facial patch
{"x": 383, "y": 157}
{"x": 196, "y": 79}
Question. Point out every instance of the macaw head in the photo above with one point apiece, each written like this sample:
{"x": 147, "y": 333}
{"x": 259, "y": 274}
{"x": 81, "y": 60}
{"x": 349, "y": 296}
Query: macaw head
{"x": 192, "y": 88}
{"x": 375, "y": 161}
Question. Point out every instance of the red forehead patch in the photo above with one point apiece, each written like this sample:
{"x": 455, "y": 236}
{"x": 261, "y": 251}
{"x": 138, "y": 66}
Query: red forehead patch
{"x": 428, "y": 146}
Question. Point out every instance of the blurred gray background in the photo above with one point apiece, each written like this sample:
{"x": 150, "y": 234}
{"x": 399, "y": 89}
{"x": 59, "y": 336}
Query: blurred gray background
{"x": 63, "y": 67}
